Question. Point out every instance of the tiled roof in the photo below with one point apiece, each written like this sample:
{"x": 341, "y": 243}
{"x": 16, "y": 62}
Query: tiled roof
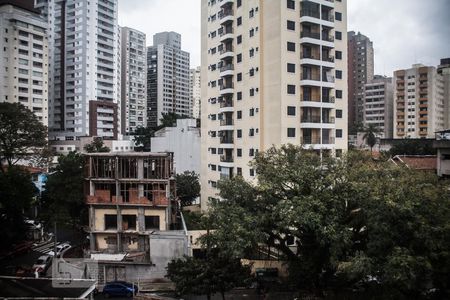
{"x": 417, "y": 162}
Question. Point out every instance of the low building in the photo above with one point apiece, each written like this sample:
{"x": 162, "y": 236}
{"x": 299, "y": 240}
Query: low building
{"x": 126, "y": 144}
{"x": 183, "y": 141}
{"x": 416, "y": 162}
{"x": 442, "y": 145}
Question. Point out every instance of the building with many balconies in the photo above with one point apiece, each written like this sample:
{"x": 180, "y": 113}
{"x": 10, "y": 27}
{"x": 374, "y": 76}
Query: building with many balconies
{"x": 273, "y": 72}
{"x": 24, "y": 57}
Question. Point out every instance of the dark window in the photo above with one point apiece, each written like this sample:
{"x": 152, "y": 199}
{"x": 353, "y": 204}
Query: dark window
{"x": 239, "y": 77}
{"x": 291, "y": 68}
{"x": 251, "y": 72}
{"x": 213, "y": 167}
{"x": 239, "y": 114}
{"x": 239, "y": 21}
{"x": 239, "y": 95}
{"x": 239, "y": 39}
{"x": 338, "y": 133}
{"x": 338, "y": 35}
{"x": 251, "y": 152}
{"x": 239, "y": 171}
{"x": 252, "y": 172}
{"x": 290, "y": 46}
{"x": 129, "y": 222}
{"x": 291, "y": 132}
{"x": 110, "y": 222}
{"x": 239, "y": 133}
{"x": 291, "y": 110}
{"x": 338, "y": 16}
{"x": 338, "y": 54}
{"x": 239, "y": 152}
{"x": 291, "y": 4}
{"x": 339, "y": 94}
{"x": 338, "y": 113}
{"x": 252, "y": 92}
{"x": 151, "y": 222}
{"x": 239, "y": 57}
{"x": 213, "y": 150}
{"x": 290, "y": 25}
{"x": 251, "y": 112}
{"x": 338, "y": 74}
{"x": 251, "y": 132}
{"x": 338, "y": 152}
{"x": 291, "y": 89}
{"x": 238, "y": 3}
{"x": 251, "y": 13}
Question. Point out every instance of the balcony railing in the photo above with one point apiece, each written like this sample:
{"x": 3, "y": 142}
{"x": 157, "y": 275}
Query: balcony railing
{"x": 328, "y": 18}
{"x": 328, "y": 140}
{"x": 306, "y": 76}
{"x": 327, "y": 78}
{"x": 226, "y": 103}
{"x": 229, "y": 67}
{"x": 227, "y": 49}
{"x": 227, "y": 86}
{"x": 309, "y": 55}
{"x": 329, "y": 120}
{"x": 308, "y": 98}
{"x": 327, "y": 37}
{"x": 226, "y": 158}
{"x": 225, "y": 13}
{"x": 309, "y": 140}
{"x": 227, "y": 31}
{"x": 309, "y": 13}
{"x": 226, "y": 122}
{"x": 328, "y": 99}
{"x": 307, "y": 34}
{"x": 226, "y": 140}
{"x": 328, "y": 58}
{"x": 310, "y": 119}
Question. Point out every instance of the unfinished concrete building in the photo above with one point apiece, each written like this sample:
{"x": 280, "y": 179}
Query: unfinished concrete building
{"x": 130, "y": 195}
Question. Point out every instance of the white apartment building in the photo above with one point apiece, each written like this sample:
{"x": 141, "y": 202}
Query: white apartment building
{"x": 195, "y": 83}
{"x": 24, "y": 58}
{"x": 183, "y": 141}
{"x": 84, "y": 89}
{"x": 378, "y": 101}
{"x": 274, "y": 73}
{"x": 168, "y": 78}
{"x": 134, "y": 80}
{"x": 419, "y": 102}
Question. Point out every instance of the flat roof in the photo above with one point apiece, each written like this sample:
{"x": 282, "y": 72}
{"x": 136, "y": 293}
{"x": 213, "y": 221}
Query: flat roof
{"x": 128, "y": 154}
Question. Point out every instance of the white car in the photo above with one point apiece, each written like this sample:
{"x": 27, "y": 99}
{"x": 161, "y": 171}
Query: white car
{"x": 42, "y": 264}
{"x": 60, "y": 249}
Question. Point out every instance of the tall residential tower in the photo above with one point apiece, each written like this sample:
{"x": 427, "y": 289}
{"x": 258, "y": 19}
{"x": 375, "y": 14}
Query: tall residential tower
{"x": 360, "y": 71}
{"x": 195, "y": 82}
{"x": 134, "y": 80}
{"x": 24, "y": 57}
{"x": 84, "y": 58}
{"x": 273, "y": 72}
{"x": 168, "y": 78}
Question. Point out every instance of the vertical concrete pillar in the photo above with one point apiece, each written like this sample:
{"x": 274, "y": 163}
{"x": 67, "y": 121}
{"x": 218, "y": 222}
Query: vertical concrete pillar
{"x": 119, "y": 229}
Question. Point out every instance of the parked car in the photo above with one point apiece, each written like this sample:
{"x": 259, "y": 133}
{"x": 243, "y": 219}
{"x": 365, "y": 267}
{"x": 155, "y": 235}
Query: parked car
{"x": 60, "y": 249}
{"x": 42, "y": 264}
{"x": 119, "y": 288}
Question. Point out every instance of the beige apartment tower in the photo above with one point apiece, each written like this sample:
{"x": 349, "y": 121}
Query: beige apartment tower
{"x": 273, "y": 73}
{"x": 419, "y": 102}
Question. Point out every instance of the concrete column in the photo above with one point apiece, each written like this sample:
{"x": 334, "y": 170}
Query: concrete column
{"x": 140, "y": 166}
{"x": 119, "y": 229}
{"x": 141, "y": 219}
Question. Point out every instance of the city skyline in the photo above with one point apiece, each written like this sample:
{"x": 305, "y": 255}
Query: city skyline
{"x": 397, "y": 52}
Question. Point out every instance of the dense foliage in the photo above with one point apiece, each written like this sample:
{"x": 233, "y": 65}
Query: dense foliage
{"x": 412, "y": 147}
{"x": 188, "y": 187}
{"x": 95, "y": 146}
{"x": 355, "y": 222}
{"x": 22, "y": 135}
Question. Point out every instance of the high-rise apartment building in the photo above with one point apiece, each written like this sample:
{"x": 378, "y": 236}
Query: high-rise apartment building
{"x": 378, "y": 104}
{"x": 195, "y": 83}
{"x": 134, "y": 80}
{"x": 273, "y": 72}
{"x": 84, "y": 83}
{"x": 24, "y": 57}
{"x": 360, "y": 71}
{"x": 419, "y": 103}
{"x": 444, "y": 70}
{"x": 168, "y": 78}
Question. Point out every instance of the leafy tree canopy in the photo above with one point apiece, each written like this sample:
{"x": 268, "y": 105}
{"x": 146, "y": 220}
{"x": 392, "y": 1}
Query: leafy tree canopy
{"x": 96, "y": 145}
{"x": 188, "y": 187}
{"x": 413, "y": 147}
{"x": 354, "y": 221}
{"x": 22, "y": 135}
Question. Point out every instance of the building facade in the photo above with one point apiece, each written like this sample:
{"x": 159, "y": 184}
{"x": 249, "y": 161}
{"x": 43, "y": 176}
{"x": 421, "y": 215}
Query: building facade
{"x": 167, "y": 78}
{"x": 195, "y": 83}
{"x": 183, "y": 141}
{"x": 360, "y": 71}
{"x": 419, "y": 102}
{"x": 128, "y": 195}
{"x": 134, "y": 80}
{"x": 444, "y": 70}
{"x": 274, "y": 72}
{"x": 378, "y": 105}
{"x": 85, "y": 67}
{"x": 24, "y": 58}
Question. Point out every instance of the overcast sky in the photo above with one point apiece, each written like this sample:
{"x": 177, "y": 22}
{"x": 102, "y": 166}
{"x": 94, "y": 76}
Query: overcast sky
{"x": 403, "y": 31}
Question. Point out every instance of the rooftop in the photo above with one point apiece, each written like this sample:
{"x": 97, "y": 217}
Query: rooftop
{"x": 417, "y": 162}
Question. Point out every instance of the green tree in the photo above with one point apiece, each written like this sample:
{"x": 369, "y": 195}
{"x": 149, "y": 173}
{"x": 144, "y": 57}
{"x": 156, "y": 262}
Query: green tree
{"x": 412, "y": 147}
{"x": 354, "y": 220}
{"x": 370, "y": 135}
{"x": 63, "y": 198}
{"x": 96, "y": 145}
{"x": 16, "y": 194}
{"x": 142, "y": 138}
{"x": 22, "y": 135}
{"x": 169, "y": 119}
{"x": 188, "y": 187}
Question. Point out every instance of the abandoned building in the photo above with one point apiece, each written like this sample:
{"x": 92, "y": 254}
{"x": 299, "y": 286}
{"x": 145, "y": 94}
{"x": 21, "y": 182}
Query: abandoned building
{"x": 130, "y": 195}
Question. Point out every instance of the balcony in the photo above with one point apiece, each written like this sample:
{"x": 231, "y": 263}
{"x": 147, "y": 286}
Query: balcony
{"x": 226, "y": 3}
{"x": 226, "y": 35}
{"x": 328, "y": 120}
{"x": 328, "y": 58}
{"x": 328, "y": 38}
{"x": 310, "y": 13}
{"x": 103, "y": 197}
{"x": 312, "y": 35}
{"x": 226, "y": 158}
{"x": 227, "y": 52}
{"x": 310, "y": 119}
{"x": 328, "y": 99}
{"x": 309, "y": 76}
{"x": 226, "y": 103}
{"x": 226, "y": 16}
{"x": 226, "y": 140}
{"x": 328, "y": 18}
{"x": 227, "y": 88}
{"x": 227, "y": 70}
{"x": 310, "y": 140}
{"x": 226, "y": 122}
